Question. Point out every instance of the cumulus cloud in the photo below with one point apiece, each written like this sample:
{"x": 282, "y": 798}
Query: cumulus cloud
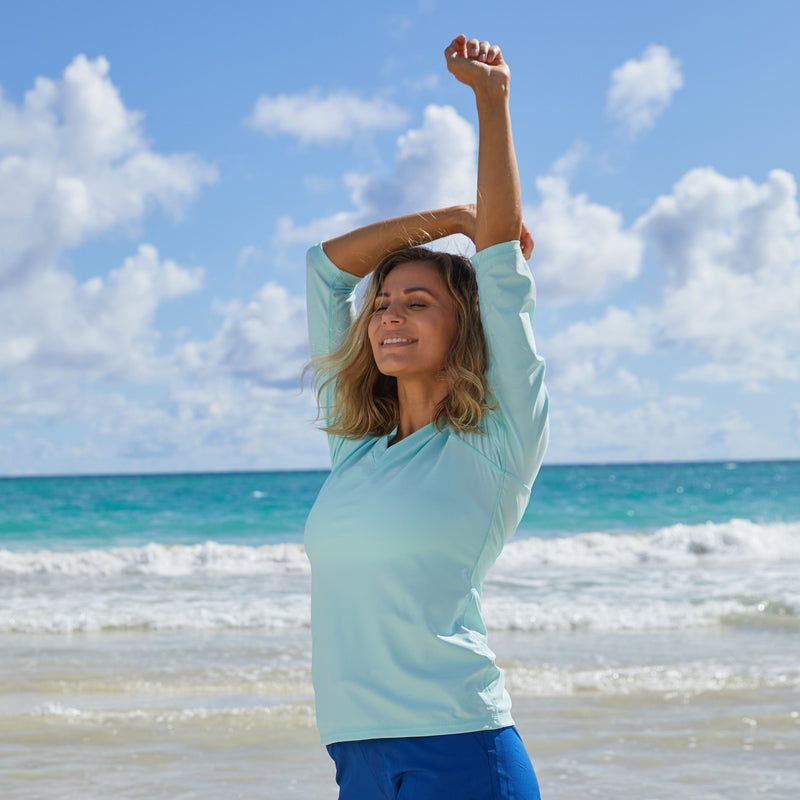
{"x": 641, "y": 89}
{"x": 582, "y": 357}
{"x": 230, "y": 402}
{"x": 324, "y": 119}
{"x": 263, "y": 341}
{"x": 731, "y": 248}
{"x": 86, "y": 356}
{"x": 582, "y": 248}
{"x": 434, "y": 166}
{"x": 730, "y": 254}
{"x": 74, "y": 163}
{"x": 102, "y": 327}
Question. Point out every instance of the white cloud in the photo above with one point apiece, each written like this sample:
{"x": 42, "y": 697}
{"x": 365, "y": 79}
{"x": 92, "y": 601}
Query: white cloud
{"x": 583, "y": 378}
{"x": 248, "y": 254}
{"x": 731, "y": 248}
{"x": 219, "y": 424}
{"x": 435, "y": 166}
{"x": 668, "y": 428}
{"x": 84, "y": 359}
{"x": 619, "y": 329}
{"x": 74, "y": 163}
{"x": 581, "y": 358}
{"x": 324, "y": 119}
{"x": 730, "y": 253}
{"x": 101, "y": 327}
{"x": 641, "y": 89}
{"x": 263, "y": 341}
{"x": 582, "y": 248}
{"x": 565, "y": 165}
{"x": 92, "y": 367}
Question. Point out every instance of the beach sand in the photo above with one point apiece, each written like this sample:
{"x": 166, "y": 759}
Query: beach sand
{"x": 135, "y": 716}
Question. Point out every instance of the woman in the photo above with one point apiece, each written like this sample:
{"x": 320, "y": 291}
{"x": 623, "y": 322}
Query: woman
{"x": 437, "y": 423}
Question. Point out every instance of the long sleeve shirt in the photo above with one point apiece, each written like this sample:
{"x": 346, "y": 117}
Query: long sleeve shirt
{"x": 401, "y": 537}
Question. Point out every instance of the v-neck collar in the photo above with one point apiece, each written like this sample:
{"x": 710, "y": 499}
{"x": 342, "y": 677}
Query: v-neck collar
{"x": 382, "y": 448}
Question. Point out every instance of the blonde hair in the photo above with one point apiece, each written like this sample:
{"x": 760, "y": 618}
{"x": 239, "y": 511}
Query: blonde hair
{"x": 365, "y": 401}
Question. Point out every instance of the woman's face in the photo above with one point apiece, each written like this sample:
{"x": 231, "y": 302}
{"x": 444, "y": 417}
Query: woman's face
{"x": 413, "y": 324}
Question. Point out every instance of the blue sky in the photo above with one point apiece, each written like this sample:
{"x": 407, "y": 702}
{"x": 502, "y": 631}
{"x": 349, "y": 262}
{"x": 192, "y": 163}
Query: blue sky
{"x": 162, "y": 171}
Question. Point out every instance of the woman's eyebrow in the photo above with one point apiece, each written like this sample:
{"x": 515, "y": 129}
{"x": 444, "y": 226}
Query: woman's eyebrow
{"x": 409, "y": 290}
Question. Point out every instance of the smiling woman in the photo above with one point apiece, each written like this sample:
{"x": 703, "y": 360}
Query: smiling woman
{"x": 429, "y": 301}
{"x": 436, "y": 415}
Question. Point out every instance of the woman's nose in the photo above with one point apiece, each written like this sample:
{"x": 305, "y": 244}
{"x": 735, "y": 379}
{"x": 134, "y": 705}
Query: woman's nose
{"x": 392, "y": 313}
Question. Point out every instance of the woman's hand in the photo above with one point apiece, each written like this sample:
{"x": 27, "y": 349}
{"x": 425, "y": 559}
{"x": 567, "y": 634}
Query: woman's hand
{"x": 478, "y": 64}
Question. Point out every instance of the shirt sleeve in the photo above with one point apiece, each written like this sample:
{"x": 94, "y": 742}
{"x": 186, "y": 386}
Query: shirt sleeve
{"x": 515, "y": 372}
{"x": 330, "y": 303}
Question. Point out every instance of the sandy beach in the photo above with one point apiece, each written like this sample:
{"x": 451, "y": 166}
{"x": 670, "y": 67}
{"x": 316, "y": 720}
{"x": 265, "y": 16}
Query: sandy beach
{"x": 131, "y": 718}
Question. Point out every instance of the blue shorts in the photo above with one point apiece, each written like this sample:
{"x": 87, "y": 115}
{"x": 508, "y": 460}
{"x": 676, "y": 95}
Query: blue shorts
{"x": 485, "y": 765}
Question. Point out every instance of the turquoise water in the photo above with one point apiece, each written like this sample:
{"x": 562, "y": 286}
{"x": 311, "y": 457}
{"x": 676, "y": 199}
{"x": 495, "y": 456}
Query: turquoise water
{"x": 155, "y": 636}
{"x": 645, "y": 497}
{"x": 76, "y": 512}
{"x": 66, "y": 513}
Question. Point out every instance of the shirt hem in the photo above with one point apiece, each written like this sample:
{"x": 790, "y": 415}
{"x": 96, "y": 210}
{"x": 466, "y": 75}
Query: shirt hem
{"x": 461, "y": 726}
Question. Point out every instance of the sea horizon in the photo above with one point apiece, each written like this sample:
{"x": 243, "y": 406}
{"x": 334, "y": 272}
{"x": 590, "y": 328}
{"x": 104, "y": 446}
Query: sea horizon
{"x": 545, "y": 465}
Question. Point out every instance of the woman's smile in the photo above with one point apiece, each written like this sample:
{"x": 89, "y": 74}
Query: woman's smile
{"x": 393, "y": 341}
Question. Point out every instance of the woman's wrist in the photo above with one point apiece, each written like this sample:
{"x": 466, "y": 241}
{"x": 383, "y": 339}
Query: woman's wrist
{"x": 464, "y": 220}
{"x": 446, "y": 222}
{"x": 492, "y": 95}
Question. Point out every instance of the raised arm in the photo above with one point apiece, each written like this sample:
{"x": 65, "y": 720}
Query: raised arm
{"x": 359, "y": 251}
{"x": 515, "y": 371}
{"x": 499, "y": 208}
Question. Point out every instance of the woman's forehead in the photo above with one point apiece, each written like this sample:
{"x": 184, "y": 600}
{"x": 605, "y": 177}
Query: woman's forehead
{"x": 412, "y": 274}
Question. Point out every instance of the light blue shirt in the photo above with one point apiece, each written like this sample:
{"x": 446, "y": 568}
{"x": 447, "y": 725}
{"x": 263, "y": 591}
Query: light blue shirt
{"x": 401, "y": 538}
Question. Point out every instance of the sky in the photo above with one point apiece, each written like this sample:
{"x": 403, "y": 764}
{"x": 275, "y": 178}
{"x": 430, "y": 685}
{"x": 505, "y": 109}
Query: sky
{"x": 165, "y": 166}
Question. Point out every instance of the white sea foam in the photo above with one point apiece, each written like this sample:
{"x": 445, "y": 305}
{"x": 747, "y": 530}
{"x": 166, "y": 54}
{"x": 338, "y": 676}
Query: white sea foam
{"x": 586, "y": 612}
{"x": 681, "y": 545}
{"x": 297, "y": 714}
{"x": 678, "y": 577}
{"x": 738, "y": 540}
{"x": 210, "y": 558}
{"x": 96, "y": 610}
{"x": 671, "y": 680}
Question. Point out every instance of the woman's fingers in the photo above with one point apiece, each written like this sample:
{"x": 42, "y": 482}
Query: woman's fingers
{"x": 479, "y": 50}
{"x": 526, "y": 242}
{"x": 476, "y": 62}
{"x": 473, "y": 49}
{"x": 457, "y": 48}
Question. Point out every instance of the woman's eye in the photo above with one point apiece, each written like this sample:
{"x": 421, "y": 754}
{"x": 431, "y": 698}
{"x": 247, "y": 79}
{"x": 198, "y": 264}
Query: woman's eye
{"x": 417, "y": 305}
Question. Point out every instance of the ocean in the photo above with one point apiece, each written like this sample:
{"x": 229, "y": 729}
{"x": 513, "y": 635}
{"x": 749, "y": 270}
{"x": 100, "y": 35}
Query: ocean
{"x": 154, "y": 634}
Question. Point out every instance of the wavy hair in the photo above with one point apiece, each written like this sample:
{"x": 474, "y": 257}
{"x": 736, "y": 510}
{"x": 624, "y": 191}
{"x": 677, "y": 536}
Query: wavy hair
{"x": 365, "y": 401}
